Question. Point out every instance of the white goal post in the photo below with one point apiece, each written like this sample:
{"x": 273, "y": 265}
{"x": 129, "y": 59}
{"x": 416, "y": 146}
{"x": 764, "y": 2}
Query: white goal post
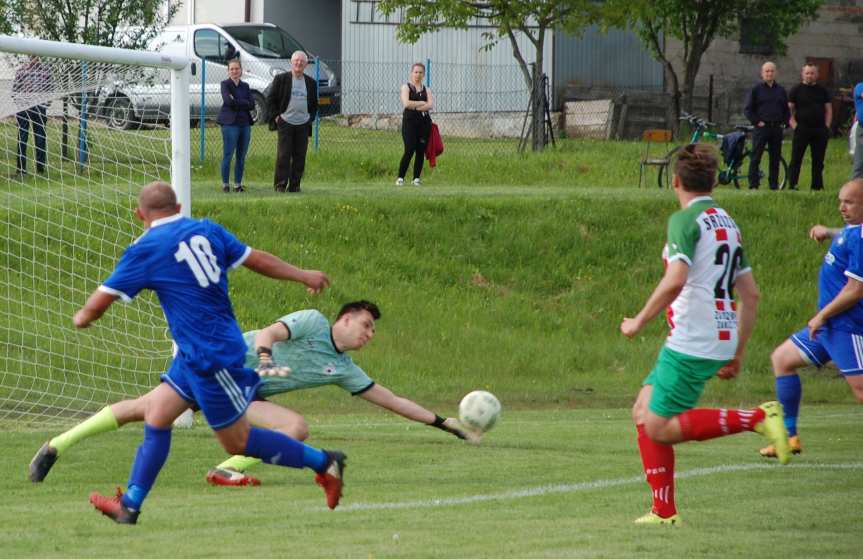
{"x": 73, "y": 157}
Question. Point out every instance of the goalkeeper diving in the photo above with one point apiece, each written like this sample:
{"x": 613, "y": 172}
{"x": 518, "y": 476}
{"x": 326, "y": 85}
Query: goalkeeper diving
{"x": 300, "y": 350}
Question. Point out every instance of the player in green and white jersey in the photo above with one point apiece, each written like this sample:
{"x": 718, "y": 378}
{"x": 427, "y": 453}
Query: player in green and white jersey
{"x": 705, "y": 263}
{"x": 300, "y": 350}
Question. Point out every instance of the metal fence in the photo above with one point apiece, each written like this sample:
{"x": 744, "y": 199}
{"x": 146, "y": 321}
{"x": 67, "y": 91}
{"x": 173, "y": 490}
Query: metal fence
{"x": 363, "y": 110}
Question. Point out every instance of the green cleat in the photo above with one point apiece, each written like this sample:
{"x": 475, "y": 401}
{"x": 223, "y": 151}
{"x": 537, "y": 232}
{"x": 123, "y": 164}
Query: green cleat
{"x": 773, "y": 427}
{"x": 653, "y": 518}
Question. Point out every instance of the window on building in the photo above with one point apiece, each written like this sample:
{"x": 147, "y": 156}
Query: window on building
{"x": 367, "y": 11}
{"x": 756, "y": 36}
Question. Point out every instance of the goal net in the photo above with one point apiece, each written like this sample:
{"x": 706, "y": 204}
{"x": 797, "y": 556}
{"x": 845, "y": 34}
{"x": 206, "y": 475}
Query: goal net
{"x": 76, "y": 145}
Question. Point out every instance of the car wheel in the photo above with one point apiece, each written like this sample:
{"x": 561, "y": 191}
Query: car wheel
{"x": 259, "y": 111}
{"x": 121, "y": 116}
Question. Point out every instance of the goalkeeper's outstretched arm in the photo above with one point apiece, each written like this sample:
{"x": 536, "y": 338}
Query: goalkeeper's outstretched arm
{"x": 409, "y": 409}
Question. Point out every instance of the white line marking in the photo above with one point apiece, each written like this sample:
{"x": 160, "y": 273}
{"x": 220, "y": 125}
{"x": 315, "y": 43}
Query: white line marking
{"x": 583, "y": 486}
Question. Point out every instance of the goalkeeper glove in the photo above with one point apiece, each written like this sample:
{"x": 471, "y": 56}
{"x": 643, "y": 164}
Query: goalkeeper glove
{"x": 454, "y": 427}
{"x": 267, "y": 367}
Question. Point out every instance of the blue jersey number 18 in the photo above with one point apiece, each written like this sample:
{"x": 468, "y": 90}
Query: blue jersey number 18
{"x": 200, "y": 259}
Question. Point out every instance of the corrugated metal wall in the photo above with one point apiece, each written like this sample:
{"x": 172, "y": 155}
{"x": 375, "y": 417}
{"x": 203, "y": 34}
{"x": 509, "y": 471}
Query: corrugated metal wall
{"x": 463, "y": 76}
{"x": 615, "y": 60}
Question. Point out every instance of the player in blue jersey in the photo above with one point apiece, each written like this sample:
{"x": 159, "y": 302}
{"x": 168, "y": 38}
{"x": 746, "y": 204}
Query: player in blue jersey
{"x": 186, "y": 261}
{"x": 835, "y": 333}
{"x": 301, "y": 350}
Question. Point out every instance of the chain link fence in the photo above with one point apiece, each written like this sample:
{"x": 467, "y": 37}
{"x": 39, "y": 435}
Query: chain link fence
{"x": 476, "y": 107}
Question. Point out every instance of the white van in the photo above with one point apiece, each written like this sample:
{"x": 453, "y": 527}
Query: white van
{"x": 263, "y": 49}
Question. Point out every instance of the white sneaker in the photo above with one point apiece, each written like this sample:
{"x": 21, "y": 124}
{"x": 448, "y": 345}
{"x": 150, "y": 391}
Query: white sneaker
{"x": 417, "y": 182}
{"x": 400, "y": 181}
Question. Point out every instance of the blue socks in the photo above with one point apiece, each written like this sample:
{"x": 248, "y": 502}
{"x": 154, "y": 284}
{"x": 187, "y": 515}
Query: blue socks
{"x": 276, "y": 448}
{"x": 150, "y": 458}
{"x": 789, "y": 390}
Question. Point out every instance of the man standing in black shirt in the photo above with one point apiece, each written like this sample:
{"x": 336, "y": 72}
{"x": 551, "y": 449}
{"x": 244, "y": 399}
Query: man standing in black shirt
{"x": 767, "y": 109}
{"x": 811, "y": 114}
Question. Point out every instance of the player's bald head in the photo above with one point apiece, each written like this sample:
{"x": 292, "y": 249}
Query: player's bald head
{"x": 853, "y": 188}
{"x": 157, "y": 197}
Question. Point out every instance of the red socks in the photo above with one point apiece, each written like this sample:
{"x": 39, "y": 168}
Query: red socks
{"x": 705, "y": 423}
{"x": 658, "y": 461}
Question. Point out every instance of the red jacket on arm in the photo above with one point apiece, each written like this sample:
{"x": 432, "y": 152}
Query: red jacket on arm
{"x": 434, "y": 146}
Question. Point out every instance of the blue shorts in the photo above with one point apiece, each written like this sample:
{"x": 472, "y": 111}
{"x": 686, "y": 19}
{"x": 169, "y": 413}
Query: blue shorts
{"x": 222, "y": 395}
{"x": 843, "y": 348}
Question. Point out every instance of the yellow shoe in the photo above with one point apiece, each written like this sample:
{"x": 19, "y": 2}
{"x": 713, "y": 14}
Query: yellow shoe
{"x": 653, "y": 518}
{"x": 773, "y": 427}
{"x": 793, "y": 443}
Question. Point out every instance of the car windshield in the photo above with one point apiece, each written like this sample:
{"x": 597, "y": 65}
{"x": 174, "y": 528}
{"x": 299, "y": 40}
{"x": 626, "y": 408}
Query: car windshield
{"x": 265, "y": 41}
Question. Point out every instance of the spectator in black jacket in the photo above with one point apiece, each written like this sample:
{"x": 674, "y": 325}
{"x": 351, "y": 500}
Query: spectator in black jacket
{"x": 235, "y": 119}
{"x": 811, "y": 113}
{"x": 767, "y": 109}
{"x": 291, "y": 108}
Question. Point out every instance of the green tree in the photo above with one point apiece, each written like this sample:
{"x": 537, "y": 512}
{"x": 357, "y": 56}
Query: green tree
{"x": 697, "y": 23}
{"x": 509, "y": 18}
{"x": 5, "y": 17}
{"x": 128, "y": 24}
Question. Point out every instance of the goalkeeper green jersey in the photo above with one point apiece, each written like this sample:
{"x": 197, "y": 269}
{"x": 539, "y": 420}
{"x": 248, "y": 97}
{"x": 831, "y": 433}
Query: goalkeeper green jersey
{"x": 703, "y": 318}
{"x": 312, "y": 356}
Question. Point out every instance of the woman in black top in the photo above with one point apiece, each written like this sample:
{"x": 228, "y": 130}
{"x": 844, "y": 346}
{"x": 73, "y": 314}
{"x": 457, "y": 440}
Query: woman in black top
{"x": 416, "y": 122}
{"x": 235, "y": 119}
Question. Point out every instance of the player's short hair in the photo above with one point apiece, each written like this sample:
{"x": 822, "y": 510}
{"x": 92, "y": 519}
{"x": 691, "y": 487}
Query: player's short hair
{"x": 357, "y": 306}
{"x": 420, "y": 64}
{"x": 157, "y": 196}
{"x": 234, "y": 60}
{"x": 696, "y": 165}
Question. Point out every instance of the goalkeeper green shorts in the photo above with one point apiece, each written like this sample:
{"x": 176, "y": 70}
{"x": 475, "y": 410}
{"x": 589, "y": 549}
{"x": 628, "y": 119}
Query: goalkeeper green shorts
{"x": 678, "y": 381}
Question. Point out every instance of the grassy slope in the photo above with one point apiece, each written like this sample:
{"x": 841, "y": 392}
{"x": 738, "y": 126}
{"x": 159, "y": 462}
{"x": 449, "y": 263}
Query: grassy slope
{"x": 517, "y": 289}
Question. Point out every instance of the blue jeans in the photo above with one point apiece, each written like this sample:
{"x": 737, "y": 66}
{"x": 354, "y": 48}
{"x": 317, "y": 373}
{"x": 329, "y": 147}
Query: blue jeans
{"x": 35, "y": 117}
{"x": 235, "y": 138}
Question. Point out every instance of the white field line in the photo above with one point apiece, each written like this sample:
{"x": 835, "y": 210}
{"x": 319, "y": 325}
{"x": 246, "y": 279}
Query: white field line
{"x": 583, "y": 486}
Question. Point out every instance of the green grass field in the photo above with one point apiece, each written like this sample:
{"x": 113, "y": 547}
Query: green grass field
{"x": 508, "y": 273}
{"x": 544, "y": 484}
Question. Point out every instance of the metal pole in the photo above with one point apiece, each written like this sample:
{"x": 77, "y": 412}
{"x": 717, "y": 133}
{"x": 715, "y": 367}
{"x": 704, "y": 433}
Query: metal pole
{"x": 428, "y": 72}
{"x": 318, "y": 90}
{"x": 82, "y": 120}
{"x": 181, "y": 176}
{"x": 203, "y": 143}
{"x": 710, "y": 99}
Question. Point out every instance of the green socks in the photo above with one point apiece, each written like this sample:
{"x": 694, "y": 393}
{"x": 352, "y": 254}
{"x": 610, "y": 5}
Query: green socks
{"x": 102, "y": 422}
{"x": 239, "y": 463}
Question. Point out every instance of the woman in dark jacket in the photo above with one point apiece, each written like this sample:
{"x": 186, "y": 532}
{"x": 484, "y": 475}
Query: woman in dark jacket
{"x": 235, "y": 119}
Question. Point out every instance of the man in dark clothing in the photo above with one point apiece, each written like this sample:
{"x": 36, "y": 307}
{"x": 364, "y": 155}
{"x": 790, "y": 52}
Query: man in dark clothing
{"x": 767, "y": 109}
{"x": 292, "y": 106}
{"x": 811, "y": 113}
{"x": 31, "y": 82}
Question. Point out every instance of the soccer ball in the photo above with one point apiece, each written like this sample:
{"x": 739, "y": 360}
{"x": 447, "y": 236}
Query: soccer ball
{"x": 479, "y": 410}
{"x": 185, "y": 420}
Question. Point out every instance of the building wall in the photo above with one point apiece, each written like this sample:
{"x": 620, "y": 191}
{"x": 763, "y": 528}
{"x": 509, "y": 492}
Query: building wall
{"x": 614, "y": 60}
{"x": 314, "y": 23}
{"x": 214, "y": 11}
{"x": 464, "y": 77}
{"x": 835, "y": 34}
